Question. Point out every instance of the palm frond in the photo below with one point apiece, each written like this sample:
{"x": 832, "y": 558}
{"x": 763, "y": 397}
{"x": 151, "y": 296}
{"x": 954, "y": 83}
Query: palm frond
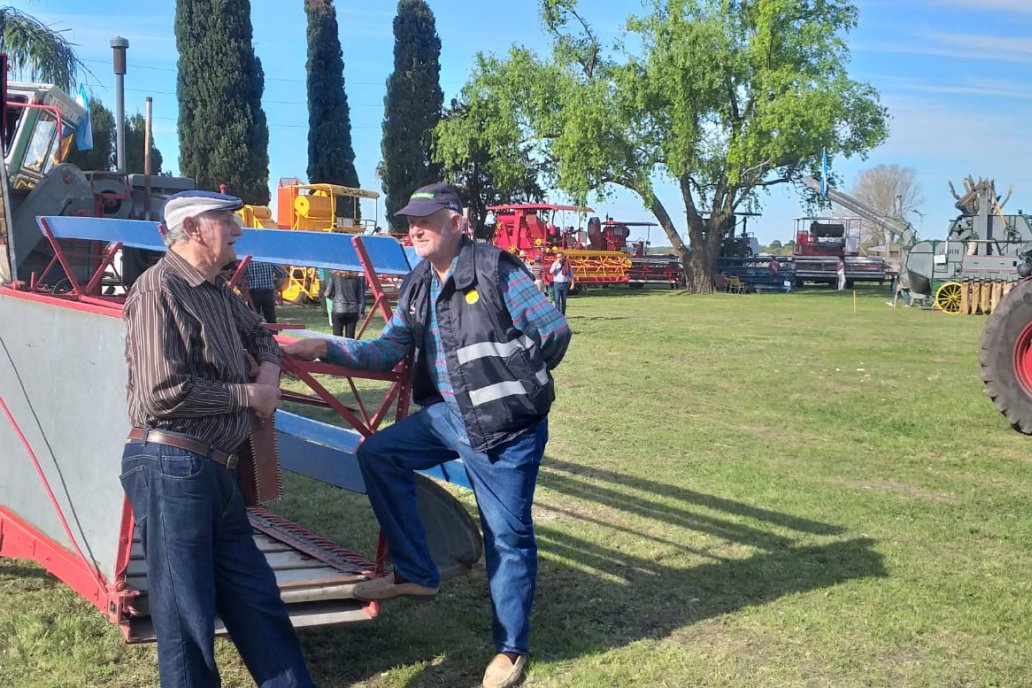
{"x": 37, "y": 49}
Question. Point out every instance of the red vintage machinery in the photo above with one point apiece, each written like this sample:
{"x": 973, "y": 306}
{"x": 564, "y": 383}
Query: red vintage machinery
{"x": 645, "y": 268}
{"x": 530, "y": 229}
{"x": 821, "y": 242}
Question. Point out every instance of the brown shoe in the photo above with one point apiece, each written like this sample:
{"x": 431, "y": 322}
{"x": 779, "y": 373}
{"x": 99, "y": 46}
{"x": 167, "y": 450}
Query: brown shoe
{"x": 502, "y": 672}
{"x": 384, "y": 588}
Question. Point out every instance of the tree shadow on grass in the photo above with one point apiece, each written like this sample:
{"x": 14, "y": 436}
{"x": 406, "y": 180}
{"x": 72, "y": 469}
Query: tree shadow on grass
{"x": 593, "y": 597}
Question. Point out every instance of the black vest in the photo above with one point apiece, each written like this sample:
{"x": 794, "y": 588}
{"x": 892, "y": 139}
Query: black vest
{"x": 501, "y": 381}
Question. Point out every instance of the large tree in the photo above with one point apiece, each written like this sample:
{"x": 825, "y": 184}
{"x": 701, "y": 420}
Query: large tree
{"x": 223, "y": 133}
{"x": 412, "y": 106}
{"x": 480, "y": 183}
{"x": 723, "y": 97}
{"x": 331, "y": 158}
{"x": 102, "y": 156}
{"x": 37, "y": 49}
{"x": 135, "y": 133}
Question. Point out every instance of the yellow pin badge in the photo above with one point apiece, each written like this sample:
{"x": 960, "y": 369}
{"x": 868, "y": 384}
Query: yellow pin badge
{"x": 472, "y": 296}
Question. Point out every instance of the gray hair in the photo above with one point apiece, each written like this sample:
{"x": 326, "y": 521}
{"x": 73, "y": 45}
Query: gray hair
{"x": 175, "y": 234}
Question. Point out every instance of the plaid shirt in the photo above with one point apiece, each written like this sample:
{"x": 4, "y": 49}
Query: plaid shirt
{"x": 530, "y": 311}
{"x": 263, "y": 275}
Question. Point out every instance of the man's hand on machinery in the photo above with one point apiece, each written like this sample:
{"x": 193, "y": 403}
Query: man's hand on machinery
{"x": 306, "y": 349}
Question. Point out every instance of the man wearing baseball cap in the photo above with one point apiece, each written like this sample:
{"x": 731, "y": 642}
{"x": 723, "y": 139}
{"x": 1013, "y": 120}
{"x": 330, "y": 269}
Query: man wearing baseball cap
{"x": 190, "y": 405}
{"x": 485, "y": 342}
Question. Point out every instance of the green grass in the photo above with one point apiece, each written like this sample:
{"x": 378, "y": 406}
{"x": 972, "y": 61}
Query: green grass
{"x": 739, "y": 491}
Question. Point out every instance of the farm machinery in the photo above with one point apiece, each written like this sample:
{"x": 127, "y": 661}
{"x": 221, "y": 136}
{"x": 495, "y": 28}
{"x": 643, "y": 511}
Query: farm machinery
{"x": 645, "y": 269}
{"x": 978, "y": 262}
{"x": 63, "y": 416}
{"x": 529, "y": 230}
{"x": 975, "y": 266}
{"x": 311, "y": 207}
{"x": 819, "y": 245}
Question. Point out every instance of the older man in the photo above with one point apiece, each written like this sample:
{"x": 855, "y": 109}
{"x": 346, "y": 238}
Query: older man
{"x": 190, "y": 405}
{"x": 485, "y": 341}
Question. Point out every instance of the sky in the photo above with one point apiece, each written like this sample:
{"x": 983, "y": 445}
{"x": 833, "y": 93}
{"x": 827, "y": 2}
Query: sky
{"x": 954, "y": 74}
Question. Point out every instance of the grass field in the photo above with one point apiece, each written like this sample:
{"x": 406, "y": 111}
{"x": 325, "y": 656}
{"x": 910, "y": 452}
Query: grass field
{"x": 739, "y": 491}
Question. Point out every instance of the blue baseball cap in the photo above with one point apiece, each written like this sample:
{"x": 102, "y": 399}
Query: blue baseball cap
{"x": 427, "y": 200}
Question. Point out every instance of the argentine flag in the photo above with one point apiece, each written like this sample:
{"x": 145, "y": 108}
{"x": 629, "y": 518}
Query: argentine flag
{"x": 84, "y": 132}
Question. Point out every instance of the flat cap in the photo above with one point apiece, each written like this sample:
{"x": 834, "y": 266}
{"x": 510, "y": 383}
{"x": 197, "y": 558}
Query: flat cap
{"x": 186, "y": 204}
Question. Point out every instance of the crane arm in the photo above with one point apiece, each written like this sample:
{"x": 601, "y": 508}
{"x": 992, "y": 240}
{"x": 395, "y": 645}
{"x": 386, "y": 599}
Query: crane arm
{"x": 892, "y": 225}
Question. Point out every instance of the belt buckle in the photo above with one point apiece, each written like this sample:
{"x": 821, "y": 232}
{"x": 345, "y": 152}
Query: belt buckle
{"x": 232, "y": 461}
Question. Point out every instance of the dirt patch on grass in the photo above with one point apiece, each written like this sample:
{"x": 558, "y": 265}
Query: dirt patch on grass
{"x": 898, "y": 488}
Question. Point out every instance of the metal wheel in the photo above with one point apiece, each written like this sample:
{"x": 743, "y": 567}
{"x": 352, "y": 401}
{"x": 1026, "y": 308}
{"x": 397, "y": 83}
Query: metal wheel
{"x": 947, "y": 297}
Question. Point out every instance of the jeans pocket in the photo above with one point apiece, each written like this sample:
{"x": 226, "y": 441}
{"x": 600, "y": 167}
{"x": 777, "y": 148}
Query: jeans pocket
{"x": 180, "y": 464}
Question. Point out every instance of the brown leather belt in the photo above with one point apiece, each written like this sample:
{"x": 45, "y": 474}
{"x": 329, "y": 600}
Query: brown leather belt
{"x": 174, "y": 439}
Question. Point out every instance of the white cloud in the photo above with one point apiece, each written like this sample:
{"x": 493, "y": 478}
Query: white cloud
{"x": 993, "y": 88}
{"x": 1015, "y": 6}
{"x": 957, "y": 46}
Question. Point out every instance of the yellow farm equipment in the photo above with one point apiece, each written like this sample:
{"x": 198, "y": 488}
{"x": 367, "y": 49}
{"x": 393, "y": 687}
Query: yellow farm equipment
{"x": 313, "y": 208}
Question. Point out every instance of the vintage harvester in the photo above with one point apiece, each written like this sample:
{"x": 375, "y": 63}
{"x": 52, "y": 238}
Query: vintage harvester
{"x": 977, "y": 264}
{"x": 821, "y": 242}
{"x": 530, "y": 229}
{"x": 646, "y": 268}
{"x": 63, "y": 417}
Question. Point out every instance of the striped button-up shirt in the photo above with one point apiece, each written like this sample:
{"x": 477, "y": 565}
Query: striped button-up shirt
{"x": 531, "y": 313}
{"x": 185, "y": 342}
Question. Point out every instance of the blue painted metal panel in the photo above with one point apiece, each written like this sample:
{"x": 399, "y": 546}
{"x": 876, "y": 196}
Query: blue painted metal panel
{"x": 308, "y": 249}
{"x": 327, "y": 453}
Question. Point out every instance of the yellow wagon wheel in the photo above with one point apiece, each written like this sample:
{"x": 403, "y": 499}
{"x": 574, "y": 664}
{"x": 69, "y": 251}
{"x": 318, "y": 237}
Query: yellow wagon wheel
{"x": 947, "y": 297}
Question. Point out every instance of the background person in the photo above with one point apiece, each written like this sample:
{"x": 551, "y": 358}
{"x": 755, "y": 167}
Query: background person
{"x": 346, "y": 290}
{"x": 485, "y": 341}
{"x": 263, "y": 279}
{"x": 537, "y": 272}
{"x": 190, "y": 406}
{"x": 562, "y": 281}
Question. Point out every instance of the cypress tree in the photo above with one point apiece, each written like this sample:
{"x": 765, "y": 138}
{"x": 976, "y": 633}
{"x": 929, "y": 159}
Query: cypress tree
{"x": 331, "y": 158}
{"x": 223, "y": 133}
{"x": 135, "y": 133}
{"x": 412, "y": 106}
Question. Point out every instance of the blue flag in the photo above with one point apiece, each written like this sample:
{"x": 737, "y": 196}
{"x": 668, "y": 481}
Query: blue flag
{"x": 824, "y": 173}
{"x": 84, "y": 131}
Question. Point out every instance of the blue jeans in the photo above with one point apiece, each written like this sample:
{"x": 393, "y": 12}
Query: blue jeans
{"x": 560, "y": 291}
{"x": 503, "y": 481}
{"x": 202, "y": 560}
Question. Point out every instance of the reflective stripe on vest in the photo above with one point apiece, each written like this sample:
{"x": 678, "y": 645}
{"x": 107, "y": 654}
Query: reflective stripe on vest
{"x": 481, "y": 396}
{"x": 499, "y": 349}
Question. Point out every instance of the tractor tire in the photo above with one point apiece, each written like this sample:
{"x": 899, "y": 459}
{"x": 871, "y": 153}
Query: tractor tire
{"x": 1005, "y": 357}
